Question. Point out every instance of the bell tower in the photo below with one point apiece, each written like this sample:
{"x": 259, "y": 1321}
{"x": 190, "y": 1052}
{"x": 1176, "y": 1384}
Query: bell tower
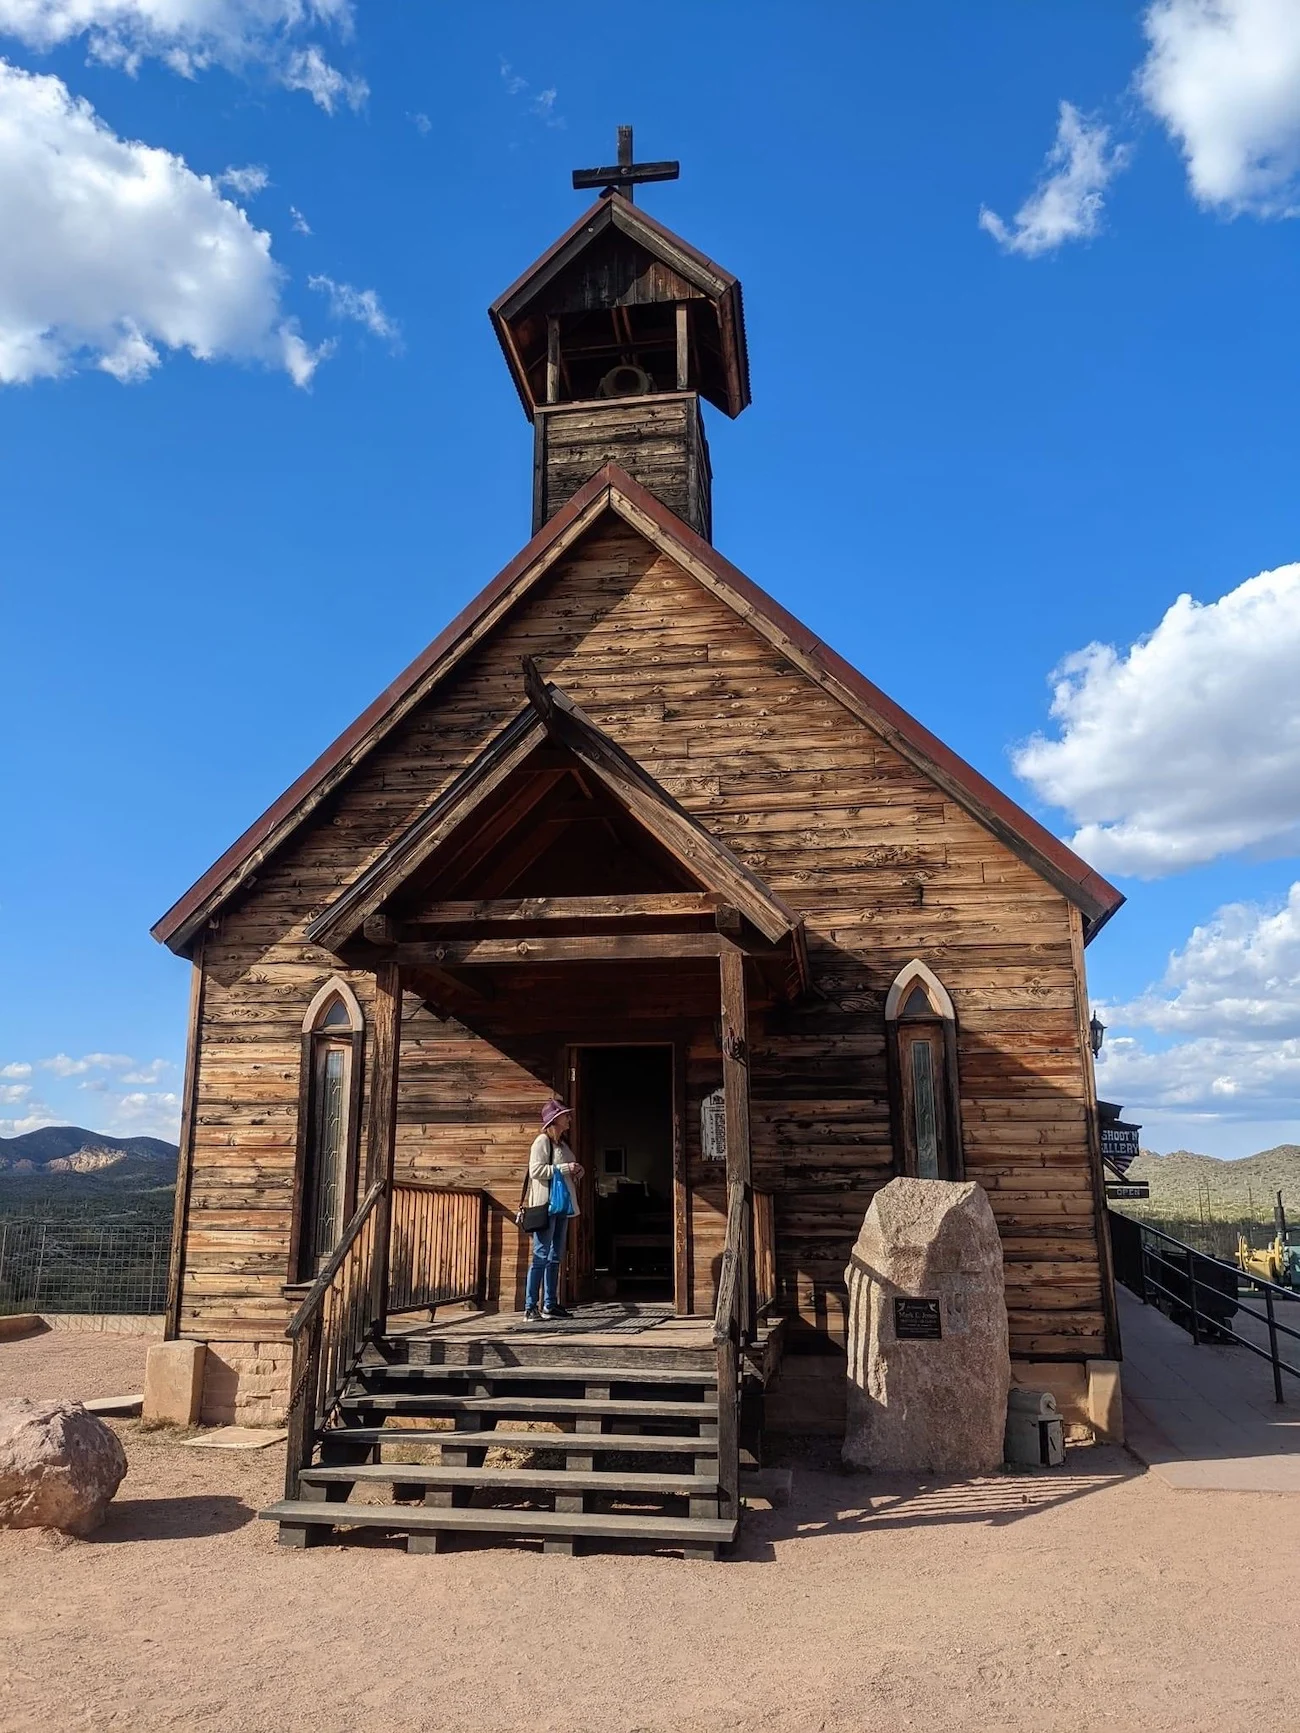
{"x": 614, "y": 337}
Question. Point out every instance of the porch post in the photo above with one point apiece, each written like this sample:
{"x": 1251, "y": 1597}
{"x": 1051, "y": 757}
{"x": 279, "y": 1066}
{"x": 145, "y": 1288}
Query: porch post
{"x": 381, "y": 1118}
{"x": 735, "y": 1092}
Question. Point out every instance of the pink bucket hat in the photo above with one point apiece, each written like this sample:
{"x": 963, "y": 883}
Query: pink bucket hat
{"x": 553, "y": 1110}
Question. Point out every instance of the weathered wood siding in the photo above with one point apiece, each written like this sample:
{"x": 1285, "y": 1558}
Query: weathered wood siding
{"x": 659, "y": 441}
{"x": 883, "y": 867}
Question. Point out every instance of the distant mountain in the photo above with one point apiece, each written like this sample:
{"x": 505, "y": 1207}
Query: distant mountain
{"x": 69, "y": 1151}
{"x": 1183, "y": 1183}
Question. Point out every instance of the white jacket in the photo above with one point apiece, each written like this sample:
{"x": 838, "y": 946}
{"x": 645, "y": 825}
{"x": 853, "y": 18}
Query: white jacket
{"x": 544, "y": 1158}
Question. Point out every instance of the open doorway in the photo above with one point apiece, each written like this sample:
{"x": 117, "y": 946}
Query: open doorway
{"x": 625, "y": 1132}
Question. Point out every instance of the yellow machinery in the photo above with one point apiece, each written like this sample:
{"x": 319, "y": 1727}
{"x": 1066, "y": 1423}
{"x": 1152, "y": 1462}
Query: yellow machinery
{"x": 1278, "y": 1261}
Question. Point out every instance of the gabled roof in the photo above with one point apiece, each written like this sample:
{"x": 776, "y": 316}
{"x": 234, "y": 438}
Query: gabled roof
{"x": 610, "y": 490}
{"x": 550, "y": 714}
{"x": 522, "y": 335}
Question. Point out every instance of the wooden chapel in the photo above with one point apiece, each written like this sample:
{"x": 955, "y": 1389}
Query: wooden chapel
{"x": 626, "y": 830}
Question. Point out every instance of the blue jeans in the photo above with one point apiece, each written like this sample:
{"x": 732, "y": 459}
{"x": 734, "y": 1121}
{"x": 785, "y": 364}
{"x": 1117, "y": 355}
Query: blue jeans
{"x": 544, "y": 1271}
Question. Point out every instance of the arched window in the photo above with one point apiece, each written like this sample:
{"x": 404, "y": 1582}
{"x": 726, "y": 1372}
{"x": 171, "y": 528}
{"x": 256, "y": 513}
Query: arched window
{"x": 926, "y": 1101}
{"x": 329, "y": 1117}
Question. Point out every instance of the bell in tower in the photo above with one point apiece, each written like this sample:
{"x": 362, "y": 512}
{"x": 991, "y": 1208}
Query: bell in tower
{"x": 614, "y": 336}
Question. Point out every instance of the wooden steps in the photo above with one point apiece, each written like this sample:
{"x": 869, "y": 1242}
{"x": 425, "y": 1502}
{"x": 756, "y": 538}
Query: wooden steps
{"x": 435, "y": 1402}
{"x": 513, "y": 1479}
{"x": 580, "y": 1443}
{"x": 696, "y": 1537}
{"x": 622, "y": 1414}
{"x": 405, "y": 1371}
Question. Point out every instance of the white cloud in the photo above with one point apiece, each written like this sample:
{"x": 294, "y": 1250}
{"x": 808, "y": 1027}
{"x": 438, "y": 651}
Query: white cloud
{"x": 142, "y": 1114}
{"x": 191, "y": 35}
{"x": 1185, "y": 746}
{"x": 63, "y": 1065}
{"x": 245, "y": 182}
{"x": 1066, "y": 205}
{"x": 1224, "y": 77}
{"x": 542, "y": 104}
{"x": 421, "y": 122}
{"x": 300, "y": 224}
{"x": 18, "y": 1069}
{"x": 307, "y": 69}
{"x": 37, "y": 1115}
{"x": 1233, "y": 992}
{"x": 10, "y": 1092}
{"x": 1240, "y": 971}
{"x": 126, "y": 252}
{"x": 360, "y": 305}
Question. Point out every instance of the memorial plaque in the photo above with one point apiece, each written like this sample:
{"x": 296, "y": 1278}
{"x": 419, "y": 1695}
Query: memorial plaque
{"x": 917, "y": 1320}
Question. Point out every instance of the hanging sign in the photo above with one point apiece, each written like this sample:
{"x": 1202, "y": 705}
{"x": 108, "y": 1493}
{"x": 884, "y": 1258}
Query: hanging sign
{"x": 1119, "y": 1144}
{"x": 713, "y": 1127}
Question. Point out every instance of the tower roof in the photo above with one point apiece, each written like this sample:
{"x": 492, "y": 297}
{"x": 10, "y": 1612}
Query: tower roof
{"x": 615, "y": 256}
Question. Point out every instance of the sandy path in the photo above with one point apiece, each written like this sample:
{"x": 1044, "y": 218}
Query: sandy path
{"x": 70, "y": 1363}
{"x": 1096, "y": 1598}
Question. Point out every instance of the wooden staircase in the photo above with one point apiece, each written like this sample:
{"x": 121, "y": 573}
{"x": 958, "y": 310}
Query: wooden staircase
{"x": 636, "y": 1450}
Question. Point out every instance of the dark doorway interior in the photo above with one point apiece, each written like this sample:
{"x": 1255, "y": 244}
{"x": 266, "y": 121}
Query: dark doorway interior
{"x": 627, "y": 1109}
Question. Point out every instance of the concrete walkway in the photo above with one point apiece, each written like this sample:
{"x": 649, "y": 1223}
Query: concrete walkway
{"x": 1204, "y": 1418}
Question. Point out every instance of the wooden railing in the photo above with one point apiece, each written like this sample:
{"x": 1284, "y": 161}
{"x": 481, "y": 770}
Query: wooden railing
{"x": 332, "y": 1327}
{"x": 423, "y": 1246}
{"x": 437, "y": 1247}
{"x": 732, "y": 1323}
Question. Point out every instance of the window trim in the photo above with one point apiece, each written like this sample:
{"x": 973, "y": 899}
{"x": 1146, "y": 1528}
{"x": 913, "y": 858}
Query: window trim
{"x": 313, "y": 1033}
{"x": 943, "y": 1021}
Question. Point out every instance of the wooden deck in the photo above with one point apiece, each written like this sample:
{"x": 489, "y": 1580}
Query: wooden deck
{"x": 613, "y": 1332}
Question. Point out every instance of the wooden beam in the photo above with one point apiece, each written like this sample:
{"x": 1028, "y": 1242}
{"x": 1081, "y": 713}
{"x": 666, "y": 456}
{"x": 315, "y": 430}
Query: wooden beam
{"x": 381, "y": 1117}
{"x": 683, "y": 347}
{"x": 670, "y": 906}
{"x": 735, "y": 1062}
{"x": 552, "y": 360}
{"x": 385, "y": 1041}
{"x": 185, "y": 1164}
{"x": 580, "y": 948}
{"x": 735, "y": 1092}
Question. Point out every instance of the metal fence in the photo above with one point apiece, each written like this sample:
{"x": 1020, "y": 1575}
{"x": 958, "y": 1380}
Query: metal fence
{"x": 1202, "y": 1294}
{"x": 69, "y": 1266}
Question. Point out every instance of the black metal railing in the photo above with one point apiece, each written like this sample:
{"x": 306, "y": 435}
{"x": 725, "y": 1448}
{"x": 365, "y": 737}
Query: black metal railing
{"x": 1203, "y": 1293}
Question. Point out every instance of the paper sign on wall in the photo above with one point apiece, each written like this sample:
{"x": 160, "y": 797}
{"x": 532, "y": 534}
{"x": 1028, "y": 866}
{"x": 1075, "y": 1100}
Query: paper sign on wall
{"x": 713, "y": 1127}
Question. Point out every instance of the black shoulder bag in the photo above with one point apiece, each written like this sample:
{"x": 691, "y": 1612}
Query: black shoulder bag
{"x": 533, "y": 1219}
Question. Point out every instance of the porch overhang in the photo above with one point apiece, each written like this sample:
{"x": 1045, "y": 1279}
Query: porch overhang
{"x": 452, "y": 893}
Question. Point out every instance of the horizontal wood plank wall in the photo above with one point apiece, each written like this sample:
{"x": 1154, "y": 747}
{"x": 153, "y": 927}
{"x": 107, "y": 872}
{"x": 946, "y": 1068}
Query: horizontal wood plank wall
{"x": 658, "y": 441}
{"x": 883, "y": 867}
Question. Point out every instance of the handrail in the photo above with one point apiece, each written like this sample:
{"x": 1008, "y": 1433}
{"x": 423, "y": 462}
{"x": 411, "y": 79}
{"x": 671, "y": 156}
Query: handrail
{"x": 315, "y": 1294}
{"x": 1188, "y": 1300}
{"x": 333, "y": 1326}
{"x": 730, "y": 1329}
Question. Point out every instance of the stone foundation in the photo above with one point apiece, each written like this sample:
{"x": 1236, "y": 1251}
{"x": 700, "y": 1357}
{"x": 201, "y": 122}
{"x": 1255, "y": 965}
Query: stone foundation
{"x": 247, "y": 1383}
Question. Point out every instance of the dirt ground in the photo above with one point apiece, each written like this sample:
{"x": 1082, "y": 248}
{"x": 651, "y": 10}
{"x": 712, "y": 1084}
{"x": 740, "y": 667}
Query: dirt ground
{"x": 1089, "y": 1598}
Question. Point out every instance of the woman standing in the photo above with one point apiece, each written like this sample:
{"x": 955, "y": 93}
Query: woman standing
{"x": 550, "y": 1160}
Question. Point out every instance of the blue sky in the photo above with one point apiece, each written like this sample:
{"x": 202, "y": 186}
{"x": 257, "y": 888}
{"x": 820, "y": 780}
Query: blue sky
{"x": 250, "y": 463}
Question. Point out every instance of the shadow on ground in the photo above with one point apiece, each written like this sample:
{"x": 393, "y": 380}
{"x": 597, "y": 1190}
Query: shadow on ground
{"x": 172, "y": 1518}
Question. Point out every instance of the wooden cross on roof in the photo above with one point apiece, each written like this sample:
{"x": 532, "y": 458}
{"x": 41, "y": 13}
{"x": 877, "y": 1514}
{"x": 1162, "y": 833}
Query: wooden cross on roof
{"x": 622, "y": 177}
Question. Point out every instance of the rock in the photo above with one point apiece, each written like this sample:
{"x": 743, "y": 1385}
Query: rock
{"x": 59, "y": 1466}
{"x": 934, "y": 1406}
